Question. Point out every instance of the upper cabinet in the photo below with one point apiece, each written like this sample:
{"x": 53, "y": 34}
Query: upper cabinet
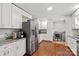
{"x": 0, "y": 15}
{"x": 11, "y": 16}
{"x": 75, "y": 20}
{"x": 6, "y": 15}
{"x": 16, "y": 17}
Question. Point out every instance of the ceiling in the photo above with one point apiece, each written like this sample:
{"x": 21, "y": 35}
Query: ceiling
{"x": 39, "y": 10}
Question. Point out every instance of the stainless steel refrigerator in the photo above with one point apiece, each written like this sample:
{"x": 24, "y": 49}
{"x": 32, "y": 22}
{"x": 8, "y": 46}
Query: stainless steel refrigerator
{"x": 30, "y": 33}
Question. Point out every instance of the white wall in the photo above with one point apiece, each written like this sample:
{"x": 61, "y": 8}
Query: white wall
{"x": 59, "y": 26}
{"x": 42, "y": 25}
{"x": 50, "y": 30}
{"x": 55, "y": 23}
{"x": 68, "y": 27}
{"x": 50, "y": 26}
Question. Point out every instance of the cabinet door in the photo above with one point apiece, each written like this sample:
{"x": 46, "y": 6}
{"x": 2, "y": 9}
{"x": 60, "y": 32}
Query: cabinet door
{"x": 73, "y": 45}
{"x": 11, "y": 49}
{"x": 16, "y": 17}
{"x": 0, "y": 15}
{"x": 21, "y": 47}
{"x": 2, "y": 53}
{"x": 77, "y": 21}
{"x": 6, "y": 15}
{"x": 8, "y": 50}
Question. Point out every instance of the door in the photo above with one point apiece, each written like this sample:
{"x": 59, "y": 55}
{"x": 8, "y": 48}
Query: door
{"x": 6, "y": 15}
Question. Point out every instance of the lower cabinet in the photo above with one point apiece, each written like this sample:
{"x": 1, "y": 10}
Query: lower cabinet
{"x": 72, "y": 45}
{"x": 6, "y": 50}
{"x": 17, "y": 48}
{"x": 21, "y": 47}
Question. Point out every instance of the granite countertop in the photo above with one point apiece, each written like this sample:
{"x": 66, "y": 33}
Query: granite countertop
{"x": 4, "y": 41}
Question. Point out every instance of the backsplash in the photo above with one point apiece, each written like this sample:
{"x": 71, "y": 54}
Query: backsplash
{"x": 8, "y": 31}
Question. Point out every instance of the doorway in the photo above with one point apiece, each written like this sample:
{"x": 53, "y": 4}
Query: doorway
{"x": 59, "y": 31}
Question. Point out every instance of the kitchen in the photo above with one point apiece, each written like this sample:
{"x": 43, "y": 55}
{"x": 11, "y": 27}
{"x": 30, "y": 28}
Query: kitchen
{"x": 25, "y": 26}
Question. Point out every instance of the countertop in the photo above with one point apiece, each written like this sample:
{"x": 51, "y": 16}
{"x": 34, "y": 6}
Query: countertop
{"x": 74, "y": 37}
{"x": 7, "y": 41}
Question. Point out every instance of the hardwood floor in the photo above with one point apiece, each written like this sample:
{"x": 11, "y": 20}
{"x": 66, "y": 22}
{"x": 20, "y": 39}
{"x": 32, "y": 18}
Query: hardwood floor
{"x": 52, "y": 49}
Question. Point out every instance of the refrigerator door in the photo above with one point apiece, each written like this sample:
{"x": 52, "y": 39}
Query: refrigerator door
{"x": 30, "y": 32}
{"x": 26, "y": 30}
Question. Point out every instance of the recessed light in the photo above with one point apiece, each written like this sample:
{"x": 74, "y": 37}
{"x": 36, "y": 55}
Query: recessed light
{"x": 49, "y": 8}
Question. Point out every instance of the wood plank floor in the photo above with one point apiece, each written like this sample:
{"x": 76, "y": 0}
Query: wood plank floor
{"x": 52, "y": 49}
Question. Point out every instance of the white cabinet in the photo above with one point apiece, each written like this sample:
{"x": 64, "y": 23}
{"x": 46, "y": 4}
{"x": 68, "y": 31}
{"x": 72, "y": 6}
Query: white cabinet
{"x": 75, "y": 20}
{"x": 21, "y": 47}
{"x": 16, "y": 17}
{"x": 11, "y": 16}
{"x": 2, "y": 53}
{"x": 12, "y": 49}
{"x": 0, "y": 14}
{"x": 72, "y": 44}
{"x": 6, "y": 15}
{"x": 49, "y": 30}
{"x": 17, "y": 48}
{"x": 4, "y": 50}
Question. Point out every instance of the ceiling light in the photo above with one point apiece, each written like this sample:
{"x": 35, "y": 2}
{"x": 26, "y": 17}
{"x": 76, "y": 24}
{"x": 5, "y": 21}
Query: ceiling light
{"x": 49, "y": 8}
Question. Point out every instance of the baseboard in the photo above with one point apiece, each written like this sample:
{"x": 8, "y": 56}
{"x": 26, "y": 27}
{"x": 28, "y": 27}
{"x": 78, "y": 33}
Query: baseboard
{"x": 45, "y": 41}
{"x": 71, "y": 50}
{"x": 66, "y": 44}
{"x": 53, "y": 42}
{"x": 58, "y": 42}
